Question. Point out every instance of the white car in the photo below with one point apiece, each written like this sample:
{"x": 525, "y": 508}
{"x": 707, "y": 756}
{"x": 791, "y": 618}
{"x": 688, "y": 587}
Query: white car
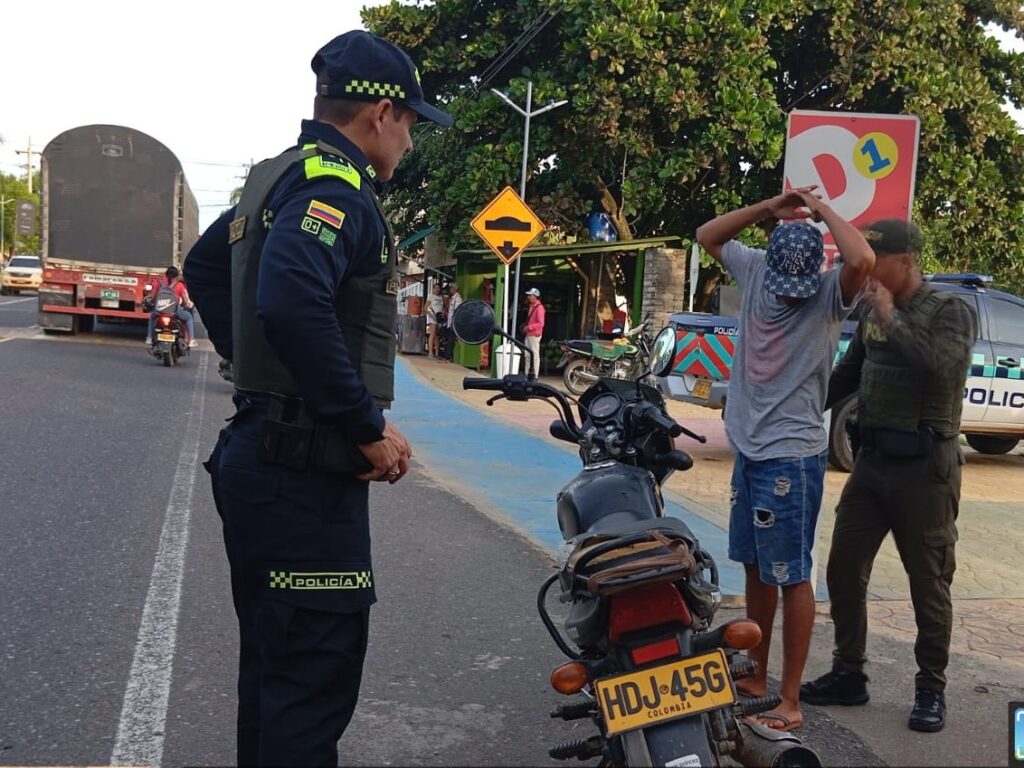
{"x": 21, "y": 273}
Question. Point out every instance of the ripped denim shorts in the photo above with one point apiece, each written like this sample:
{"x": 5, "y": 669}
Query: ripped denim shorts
{"x": 774, "y": 513}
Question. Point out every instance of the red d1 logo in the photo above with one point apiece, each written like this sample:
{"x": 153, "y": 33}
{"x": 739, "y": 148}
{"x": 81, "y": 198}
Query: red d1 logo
{"x": 865, "y": 165}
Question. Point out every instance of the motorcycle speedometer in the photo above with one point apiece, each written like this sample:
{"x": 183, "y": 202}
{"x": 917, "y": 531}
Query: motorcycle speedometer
{"x": 604, "y": 406}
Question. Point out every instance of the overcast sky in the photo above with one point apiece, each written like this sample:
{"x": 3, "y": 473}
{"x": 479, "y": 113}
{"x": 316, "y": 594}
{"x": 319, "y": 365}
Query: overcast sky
{"x": 219, "y": 82}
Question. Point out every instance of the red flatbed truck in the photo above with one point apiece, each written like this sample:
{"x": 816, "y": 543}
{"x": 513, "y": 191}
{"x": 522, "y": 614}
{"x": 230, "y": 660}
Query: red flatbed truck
{"x": 116, "y": 212}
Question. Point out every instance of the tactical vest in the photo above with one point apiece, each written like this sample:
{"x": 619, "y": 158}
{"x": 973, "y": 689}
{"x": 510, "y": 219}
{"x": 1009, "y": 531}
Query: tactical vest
{"x": 366, "y": 307}
{"x": 897, "y": 394}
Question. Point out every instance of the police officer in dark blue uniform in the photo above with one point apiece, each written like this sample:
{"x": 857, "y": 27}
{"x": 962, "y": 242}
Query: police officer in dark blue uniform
{"x": 297, "y": 287}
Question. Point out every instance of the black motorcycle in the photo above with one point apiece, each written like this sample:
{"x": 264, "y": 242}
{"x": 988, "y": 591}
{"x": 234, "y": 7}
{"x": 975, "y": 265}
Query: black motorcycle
{"x": 168, "y": 343}
{"x": 651, "y": 673}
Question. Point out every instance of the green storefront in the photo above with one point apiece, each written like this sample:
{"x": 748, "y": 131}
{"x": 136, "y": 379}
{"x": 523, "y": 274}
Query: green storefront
{"x": 564, "y": 275}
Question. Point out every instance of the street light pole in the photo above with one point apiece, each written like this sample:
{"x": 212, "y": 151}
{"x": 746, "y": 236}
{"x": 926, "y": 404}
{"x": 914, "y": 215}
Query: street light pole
{"x": 527, "y": 114}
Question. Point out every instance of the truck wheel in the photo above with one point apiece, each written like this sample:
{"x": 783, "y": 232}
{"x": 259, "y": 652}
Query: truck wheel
{"x": 992, "y": 444}
{"x": 570, "y": 375}
{"x": 86, "y": 323}
{"x": 840, "y": 452}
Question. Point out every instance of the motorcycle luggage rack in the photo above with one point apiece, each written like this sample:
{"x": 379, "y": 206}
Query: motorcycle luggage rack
{"x": 665, "y": 558}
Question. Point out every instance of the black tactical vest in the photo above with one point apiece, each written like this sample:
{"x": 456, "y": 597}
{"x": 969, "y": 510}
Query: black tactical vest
{"x": 366, "y": 308}
{"x": 895, "y": 393}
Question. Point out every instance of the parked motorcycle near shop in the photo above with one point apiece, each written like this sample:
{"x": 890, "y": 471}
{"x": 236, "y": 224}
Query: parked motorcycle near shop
{"x": 623, "y": 357}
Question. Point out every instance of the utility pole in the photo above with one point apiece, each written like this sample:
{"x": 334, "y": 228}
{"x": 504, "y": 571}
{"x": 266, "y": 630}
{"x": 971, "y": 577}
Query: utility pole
{"x": 28, "y": 162}
{"x": 522, "y": 177}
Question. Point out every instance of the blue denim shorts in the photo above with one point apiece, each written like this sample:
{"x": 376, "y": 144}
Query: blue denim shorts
{"x": 774, "y": 511}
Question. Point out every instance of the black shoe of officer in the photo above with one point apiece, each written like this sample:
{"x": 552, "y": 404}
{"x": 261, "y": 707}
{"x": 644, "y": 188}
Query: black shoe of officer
{"x": 840, "y": 686}
{"x": 929, "y": 713}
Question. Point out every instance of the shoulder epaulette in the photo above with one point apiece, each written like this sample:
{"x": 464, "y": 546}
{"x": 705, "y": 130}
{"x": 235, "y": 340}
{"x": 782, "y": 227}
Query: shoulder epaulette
{"x": 324, "y": 165}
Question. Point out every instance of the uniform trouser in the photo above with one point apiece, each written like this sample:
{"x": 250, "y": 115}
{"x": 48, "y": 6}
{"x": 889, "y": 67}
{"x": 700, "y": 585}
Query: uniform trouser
{"x": 917, "y": 499}
{"x": 533, "y": 344}
{"x": 300, "y": 664}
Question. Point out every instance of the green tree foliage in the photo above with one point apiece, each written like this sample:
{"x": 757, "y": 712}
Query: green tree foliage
{"x": 16, "y": 189}
{"x": 678, "y": 109}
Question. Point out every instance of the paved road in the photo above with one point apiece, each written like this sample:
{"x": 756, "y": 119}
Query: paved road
{"x": 106, "y": 541}
{"x": 18, "y": 311}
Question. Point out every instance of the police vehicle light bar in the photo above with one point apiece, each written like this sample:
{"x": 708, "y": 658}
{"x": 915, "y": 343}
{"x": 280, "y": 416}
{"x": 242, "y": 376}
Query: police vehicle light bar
{"x": 967, "y": 277}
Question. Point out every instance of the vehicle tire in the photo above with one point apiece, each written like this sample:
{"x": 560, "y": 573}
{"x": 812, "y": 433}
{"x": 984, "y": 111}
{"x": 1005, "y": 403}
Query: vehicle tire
{"x": 167, "y": 359}
{"x": 992, "y": 445}
{"x": 86, "y": 323}
{"x": 570, "y": 376}
{"x": 3, "y": 291}
{"x": 840, "y": 452}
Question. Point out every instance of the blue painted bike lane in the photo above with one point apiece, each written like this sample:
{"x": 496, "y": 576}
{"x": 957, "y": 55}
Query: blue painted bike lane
{"x": 513, "y": 470}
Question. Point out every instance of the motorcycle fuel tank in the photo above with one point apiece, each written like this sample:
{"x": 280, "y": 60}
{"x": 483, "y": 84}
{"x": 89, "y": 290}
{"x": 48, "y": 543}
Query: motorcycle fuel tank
{"x": 607, "y": 496}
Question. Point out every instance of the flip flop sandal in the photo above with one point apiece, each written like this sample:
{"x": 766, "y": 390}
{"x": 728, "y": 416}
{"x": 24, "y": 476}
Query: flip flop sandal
{"x": 766, "y": 718}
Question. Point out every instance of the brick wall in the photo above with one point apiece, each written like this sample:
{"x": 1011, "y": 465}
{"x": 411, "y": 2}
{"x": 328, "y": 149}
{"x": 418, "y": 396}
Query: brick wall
{"x": 665, "y": 290}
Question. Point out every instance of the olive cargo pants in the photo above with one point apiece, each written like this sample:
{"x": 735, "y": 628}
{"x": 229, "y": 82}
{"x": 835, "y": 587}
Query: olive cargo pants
{"x": 917, "y": 499}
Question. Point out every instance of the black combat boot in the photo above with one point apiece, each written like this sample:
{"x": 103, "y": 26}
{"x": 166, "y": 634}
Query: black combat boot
{"x": 840, "y": 686}
{"x": 929, "y": 713}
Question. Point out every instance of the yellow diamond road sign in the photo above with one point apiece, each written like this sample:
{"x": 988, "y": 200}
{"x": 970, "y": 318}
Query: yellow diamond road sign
{"x": 507, "y": 225}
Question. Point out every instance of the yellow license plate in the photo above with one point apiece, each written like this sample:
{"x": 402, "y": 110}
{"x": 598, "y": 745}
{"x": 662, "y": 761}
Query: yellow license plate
{"x": 701, "y": 389}
{"x": 675, "y": 690}
{"x": 165, "y": 336}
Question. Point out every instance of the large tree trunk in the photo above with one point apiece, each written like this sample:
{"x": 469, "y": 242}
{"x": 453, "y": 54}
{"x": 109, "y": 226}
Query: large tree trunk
{"x": 613, "y": 209}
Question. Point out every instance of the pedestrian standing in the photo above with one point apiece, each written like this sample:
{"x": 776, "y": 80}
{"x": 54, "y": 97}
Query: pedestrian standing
{"x": 908, "y": 364}
{"x": 788, "y": 330}
{"x": 533, "y": 329}
{"x": 435, "y": 307}
{"x": 298, "y": 286}
{"x": 454, "y": 300}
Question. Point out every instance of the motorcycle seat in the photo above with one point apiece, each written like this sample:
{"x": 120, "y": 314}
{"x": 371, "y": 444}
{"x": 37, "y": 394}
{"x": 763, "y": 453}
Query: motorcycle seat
{"x": 612, "y": 351}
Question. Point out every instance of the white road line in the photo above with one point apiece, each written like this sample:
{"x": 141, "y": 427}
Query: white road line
{"x": 140, "y": 733}
{"x": 17, "y": 301}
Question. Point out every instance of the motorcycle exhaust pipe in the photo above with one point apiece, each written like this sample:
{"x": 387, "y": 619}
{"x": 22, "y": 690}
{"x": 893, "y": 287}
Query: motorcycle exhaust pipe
{"x": 586, "y": 376}
{"x": 759, "y": 745}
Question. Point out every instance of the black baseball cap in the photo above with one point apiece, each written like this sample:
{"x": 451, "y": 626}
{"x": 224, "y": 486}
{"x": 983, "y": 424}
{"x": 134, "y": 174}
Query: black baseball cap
{"x": 360, "y": 65}
{"x": 894, "y": 236}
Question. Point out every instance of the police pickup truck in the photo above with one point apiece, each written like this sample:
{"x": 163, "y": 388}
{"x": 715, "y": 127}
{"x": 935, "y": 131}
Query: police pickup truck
{"x": 993, "y": 414}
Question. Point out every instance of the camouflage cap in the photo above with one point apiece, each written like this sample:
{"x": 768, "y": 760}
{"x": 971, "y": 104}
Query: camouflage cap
{"x": 894, "y": 236}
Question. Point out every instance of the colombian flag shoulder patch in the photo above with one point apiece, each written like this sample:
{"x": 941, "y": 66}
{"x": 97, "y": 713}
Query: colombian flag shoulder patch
{"x": 325, "y": 213}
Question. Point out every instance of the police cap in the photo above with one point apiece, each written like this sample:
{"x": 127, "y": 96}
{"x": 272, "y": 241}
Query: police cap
{"x": 894, "y": 236}
{"x": 359, "y": 65}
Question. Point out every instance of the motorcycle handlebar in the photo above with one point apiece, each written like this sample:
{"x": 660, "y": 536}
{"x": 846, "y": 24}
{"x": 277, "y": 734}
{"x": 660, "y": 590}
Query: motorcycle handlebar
{"x": 476, "y": 382}
{"x": 657, "y": 420}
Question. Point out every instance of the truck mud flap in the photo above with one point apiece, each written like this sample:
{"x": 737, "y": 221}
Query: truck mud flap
{"x": 56, "y": 321}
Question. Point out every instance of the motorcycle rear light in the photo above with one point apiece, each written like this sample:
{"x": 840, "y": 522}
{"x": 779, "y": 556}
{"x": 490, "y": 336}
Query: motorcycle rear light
{"x": 742, "y": 634}
{"x": 646, "y": 607}
{"x": 570, "y": 678}
{"x": 654, "y": 651}
{"x": 165, "y": 321}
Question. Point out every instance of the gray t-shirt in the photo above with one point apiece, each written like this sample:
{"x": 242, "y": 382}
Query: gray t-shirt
{"x": 781, "y": 363}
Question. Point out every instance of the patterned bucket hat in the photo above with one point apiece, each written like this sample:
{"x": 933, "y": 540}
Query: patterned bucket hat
{"x": 795, "y": 254}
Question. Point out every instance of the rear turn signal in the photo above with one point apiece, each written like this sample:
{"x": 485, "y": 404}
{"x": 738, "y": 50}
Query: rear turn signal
{"x": 742, "y": 634}
{"x": 569, "y": 678}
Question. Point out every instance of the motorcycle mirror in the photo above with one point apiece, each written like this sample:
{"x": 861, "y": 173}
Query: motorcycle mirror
{"x": 663, "y": 352}
{"x": 473, "y": 322}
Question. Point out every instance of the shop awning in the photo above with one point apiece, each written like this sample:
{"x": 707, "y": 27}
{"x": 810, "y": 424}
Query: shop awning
{"x": 580, "y": 249}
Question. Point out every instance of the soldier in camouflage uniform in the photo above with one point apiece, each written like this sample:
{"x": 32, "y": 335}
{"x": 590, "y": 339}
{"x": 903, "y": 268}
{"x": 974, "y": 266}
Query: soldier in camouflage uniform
{"x": 908, "y": 364}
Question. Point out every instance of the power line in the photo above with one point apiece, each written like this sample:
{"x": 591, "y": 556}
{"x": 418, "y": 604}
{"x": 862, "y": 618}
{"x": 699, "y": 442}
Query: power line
{"x": 211, "y": 162}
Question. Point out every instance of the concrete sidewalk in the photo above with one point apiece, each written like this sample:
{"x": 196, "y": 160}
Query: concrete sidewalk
{"x": 987, "y": 664}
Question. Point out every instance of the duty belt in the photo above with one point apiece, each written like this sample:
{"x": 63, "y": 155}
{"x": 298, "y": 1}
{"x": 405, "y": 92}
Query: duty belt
{"x": 292, "y": 439}
{"x": 899, "y": 443}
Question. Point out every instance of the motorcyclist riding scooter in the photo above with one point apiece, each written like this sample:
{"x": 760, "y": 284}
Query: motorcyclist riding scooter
{"x": 183, "y": 311}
